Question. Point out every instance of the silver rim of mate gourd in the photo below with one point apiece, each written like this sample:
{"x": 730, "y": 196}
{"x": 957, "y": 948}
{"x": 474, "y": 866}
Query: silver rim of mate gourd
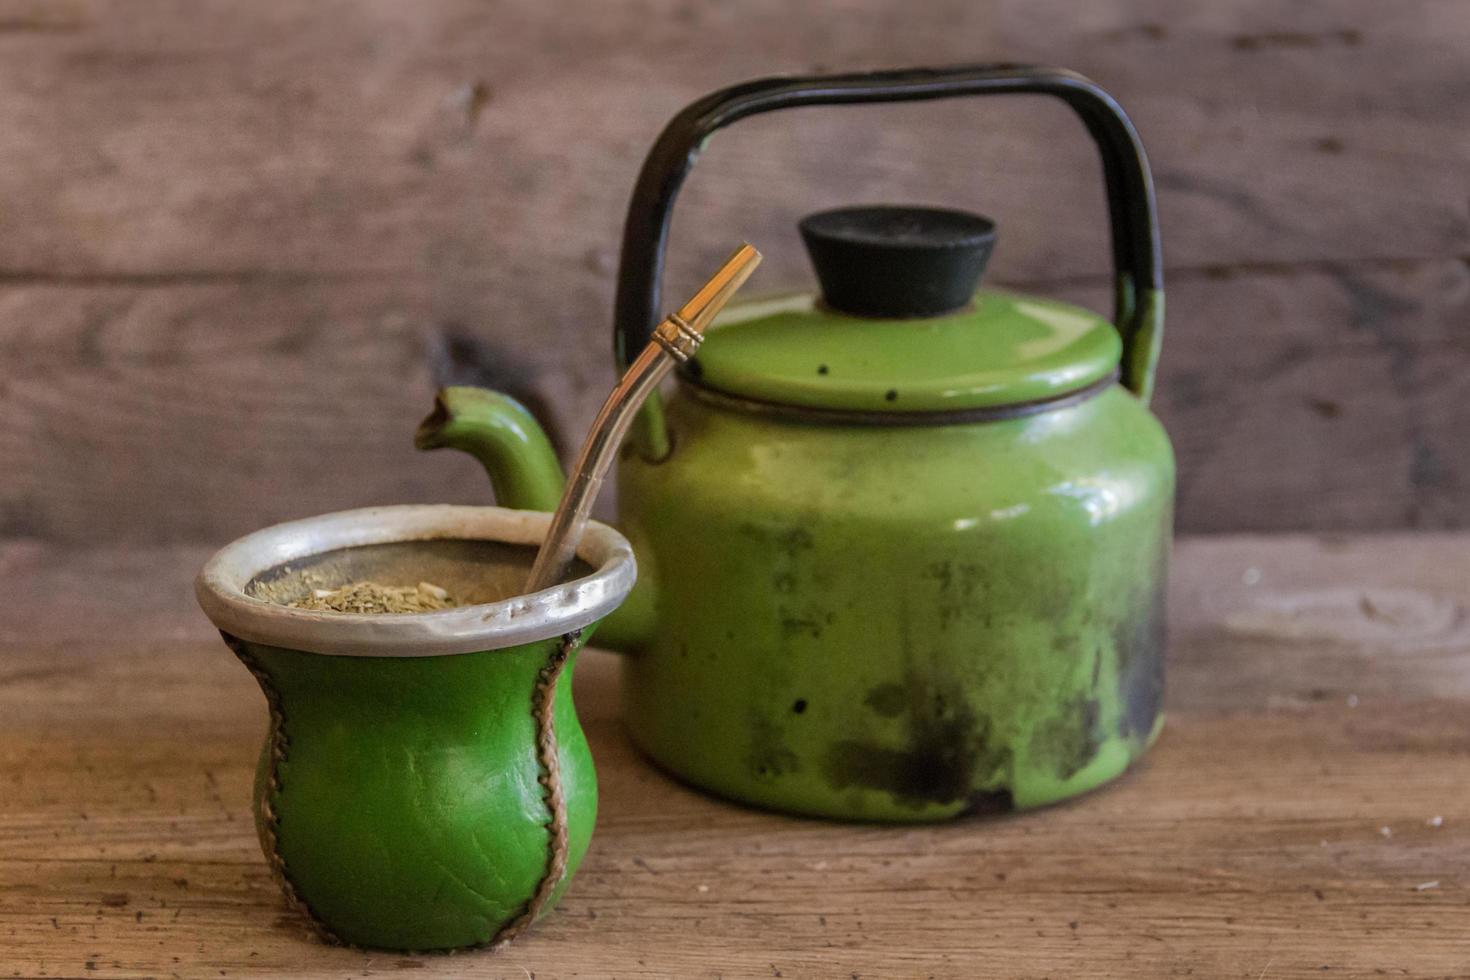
{"x": 223, "y": 587}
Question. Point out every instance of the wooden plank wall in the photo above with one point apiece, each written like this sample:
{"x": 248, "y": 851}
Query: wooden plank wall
{"x": 241, "y": 243}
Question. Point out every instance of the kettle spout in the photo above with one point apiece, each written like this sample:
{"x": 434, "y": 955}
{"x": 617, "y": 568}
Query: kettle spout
{"x": 524, "y": 472}
{"x": 499, "y": 432}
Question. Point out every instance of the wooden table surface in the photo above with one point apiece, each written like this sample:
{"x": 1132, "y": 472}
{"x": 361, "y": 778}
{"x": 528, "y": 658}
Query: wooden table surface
{"x": 1306, "y": 812}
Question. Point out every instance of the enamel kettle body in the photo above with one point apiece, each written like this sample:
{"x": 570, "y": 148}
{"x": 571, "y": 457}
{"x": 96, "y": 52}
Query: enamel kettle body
{"x": 900, "y": 600}
{"x": 902, "y": 623}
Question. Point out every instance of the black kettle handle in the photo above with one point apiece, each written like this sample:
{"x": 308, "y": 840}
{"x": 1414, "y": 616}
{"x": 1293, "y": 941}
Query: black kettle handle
{"x": 1135, "y": 230}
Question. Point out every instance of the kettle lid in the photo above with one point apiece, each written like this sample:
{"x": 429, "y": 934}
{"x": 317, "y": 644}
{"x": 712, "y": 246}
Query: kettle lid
{"x": 887, "y": 261}
{"x": 900, "y": 326}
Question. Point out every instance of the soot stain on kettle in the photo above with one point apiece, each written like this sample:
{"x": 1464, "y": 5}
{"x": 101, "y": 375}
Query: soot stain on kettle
{"x": 985, "y": 802}
{"x": 887, "y": 700}
{"x": 1140, "y": 642}
{"x": 809, "y": 623}
{"x": 1140, "y": 639}
{"x": 1069, "y": 740}
{"x": 960, "y": 586}
{"x": 769, "y": 755}
{"x": 798, "y": 619}
{"x": 949, "y": 750}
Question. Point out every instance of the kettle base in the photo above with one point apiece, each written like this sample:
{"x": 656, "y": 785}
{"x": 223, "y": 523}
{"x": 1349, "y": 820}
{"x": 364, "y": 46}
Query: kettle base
{"x": 1112, "y": 762}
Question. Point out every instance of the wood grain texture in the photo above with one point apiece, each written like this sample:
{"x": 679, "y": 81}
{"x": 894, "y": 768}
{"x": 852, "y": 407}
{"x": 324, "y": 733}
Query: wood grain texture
{"x": 240, "y": 244}
{"x": 1318, "y": 695}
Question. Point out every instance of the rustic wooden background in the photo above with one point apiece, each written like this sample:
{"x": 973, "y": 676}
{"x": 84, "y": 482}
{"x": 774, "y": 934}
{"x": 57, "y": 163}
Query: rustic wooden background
{"x": 241, "y": 243}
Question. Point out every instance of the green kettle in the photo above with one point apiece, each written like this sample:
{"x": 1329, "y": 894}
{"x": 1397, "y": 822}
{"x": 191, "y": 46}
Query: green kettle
{"x": 902, "y": 546}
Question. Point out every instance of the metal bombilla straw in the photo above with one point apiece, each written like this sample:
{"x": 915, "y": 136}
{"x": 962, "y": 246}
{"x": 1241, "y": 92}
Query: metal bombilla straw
{"x": 674, "y": 340}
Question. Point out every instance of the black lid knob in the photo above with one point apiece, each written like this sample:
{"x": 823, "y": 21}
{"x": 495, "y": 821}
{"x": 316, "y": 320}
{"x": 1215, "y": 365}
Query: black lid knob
{"x": 890, "y": 261}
